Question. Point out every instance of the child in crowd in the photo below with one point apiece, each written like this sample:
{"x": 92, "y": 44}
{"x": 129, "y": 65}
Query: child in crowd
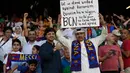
{"x": 35, "y": 50}
{"x": 16, "y": 45}
{"x": 66, "y": 61}
{"x": 30, "y": 68}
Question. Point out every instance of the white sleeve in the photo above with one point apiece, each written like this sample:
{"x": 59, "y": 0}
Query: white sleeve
{"x": 100, "y": 39}
{"x": 63, "y": 40}
{"x": 5, "y": 60}
{"x": 23, "y": 40}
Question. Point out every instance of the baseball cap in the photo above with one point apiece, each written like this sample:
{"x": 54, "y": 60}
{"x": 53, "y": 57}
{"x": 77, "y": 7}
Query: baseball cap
{"x": 116, "y": 32}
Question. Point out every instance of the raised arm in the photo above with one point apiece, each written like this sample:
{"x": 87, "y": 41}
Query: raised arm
{"x": 59, "y": 19}
{"x": 35, "y": 23}
{"x": 125, "y": 23}
{"x": 64, "y": 41}
{"x": 119, "y": 17}
{"x": 50, "y": 22}
{"x": 102, "y": 21}
{"x": 102, "y": 37}
{"x": 25, "y": 24}
{"x": 114, "y": 23}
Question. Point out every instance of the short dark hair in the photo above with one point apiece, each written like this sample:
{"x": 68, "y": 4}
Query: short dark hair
{"x": 48, "y": 30}
{"x": 33, "y": 61}
{"x": 32, "y": 30}
{"x": 16, "y": 40}
{"x": 7, "y": 28}
{"x": 37, "y": 47}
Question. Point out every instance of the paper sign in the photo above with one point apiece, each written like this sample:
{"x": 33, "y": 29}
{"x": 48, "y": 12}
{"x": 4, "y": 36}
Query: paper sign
{"x": 79, "y": 13}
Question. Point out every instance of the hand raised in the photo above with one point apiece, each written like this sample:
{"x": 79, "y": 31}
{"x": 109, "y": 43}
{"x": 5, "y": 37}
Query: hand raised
{"x": 25, "y": 15}
{"x": 49, "y": 19}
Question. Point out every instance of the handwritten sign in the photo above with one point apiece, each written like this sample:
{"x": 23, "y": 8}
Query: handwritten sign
{"x": 79, "y": 13}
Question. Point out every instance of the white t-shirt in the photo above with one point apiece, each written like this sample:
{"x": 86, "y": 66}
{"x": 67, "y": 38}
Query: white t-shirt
{"x": 27, "y": 48}
{"x": 6, "y": 48}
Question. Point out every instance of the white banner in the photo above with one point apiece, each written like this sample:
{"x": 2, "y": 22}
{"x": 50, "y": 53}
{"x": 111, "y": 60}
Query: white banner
{"x": 79, "y": 13}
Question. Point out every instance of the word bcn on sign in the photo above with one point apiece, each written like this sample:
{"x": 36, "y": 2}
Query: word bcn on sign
{"x": 79, "y": 13}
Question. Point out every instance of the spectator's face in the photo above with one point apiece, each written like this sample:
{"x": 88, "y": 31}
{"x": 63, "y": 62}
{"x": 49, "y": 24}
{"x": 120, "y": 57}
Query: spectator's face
{"x": 54, "y": 22}
{"x": 50, "y": 36}
{"x": 80, "y": 36}
{"x": 118, "y": 21}
{"x": 16, "y": 46}
{"x": 125, "y": 34}
{"x": 66, "y": 54}
{"x": 8, "y": 33}
{"x": 17, "y": 30}
{"x": 96, "y": 28}
{"x": 41, "y": 27}
{"x": 32, "y": 35}
{"x": 20, "y": 20}
{"x": 111, "y": 38}
{"x": 41, "y": 22}
{"x": 34, "y": 51}
{"x": 55, "y": 28}
{"x": 32, "y": 67}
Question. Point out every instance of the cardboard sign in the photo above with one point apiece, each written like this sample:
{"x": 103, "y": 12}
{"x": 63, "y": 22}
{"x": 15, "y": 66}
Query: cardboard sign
{"x": 79, "y": 13}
